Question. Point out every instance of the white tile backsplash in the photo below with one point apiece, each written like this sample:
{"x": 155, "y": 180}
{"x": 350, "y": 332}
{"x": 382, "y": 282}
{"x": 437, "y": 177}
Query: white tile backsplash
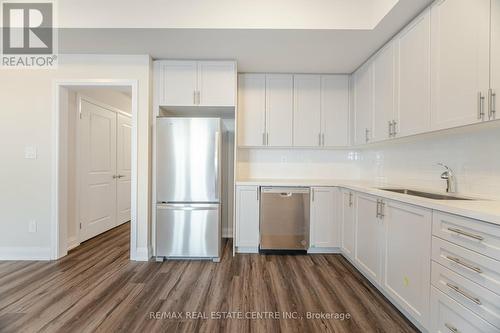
{"x": 474, "y": 156}
{"x": 297, "y": 164}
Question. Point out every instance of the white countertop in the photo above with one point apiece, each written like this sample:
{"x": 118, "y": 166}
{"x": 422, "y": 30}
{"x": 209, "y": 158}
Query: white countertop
{"x": 481, "y": 209}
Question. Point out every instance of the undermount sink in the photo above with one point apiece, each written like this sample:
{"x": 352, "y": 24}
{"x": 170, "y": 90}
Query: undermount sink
{"x": 428, "y": 195}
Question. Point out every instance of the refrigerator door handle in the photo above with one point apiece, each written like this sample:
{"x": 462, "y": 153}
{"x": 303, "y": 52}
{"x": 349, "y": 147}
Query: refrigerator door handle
{"x": 216, "y": 164}
{"x": 182, "y": 206}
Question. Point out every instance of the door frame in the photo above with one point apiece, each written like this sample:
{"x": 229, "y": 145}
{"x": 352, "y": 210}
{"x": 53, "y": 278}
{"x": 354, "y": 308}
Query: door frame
{"x": 79, "y": 98}
{"x": 58, "y": 230}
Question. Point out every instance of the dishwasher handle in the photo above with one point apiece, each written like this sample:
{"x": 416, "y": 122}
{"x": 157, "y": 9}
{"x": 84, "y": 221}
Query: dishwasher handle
{"x": 286, "y": 194}
{"x": 285, "y": 191}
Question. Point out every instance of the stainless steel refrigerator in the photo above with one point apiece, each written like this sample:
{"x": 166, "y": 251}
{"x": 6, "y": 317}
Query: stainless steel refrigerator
{"x": 188, "y": 188}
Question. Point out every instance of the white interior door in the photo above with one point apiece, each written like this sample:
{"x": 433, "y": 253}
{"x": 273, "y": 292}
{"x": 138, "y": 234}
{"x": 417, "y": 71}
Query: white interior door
{"x": 98, "y": 166}
{"x": 123, "y": 168}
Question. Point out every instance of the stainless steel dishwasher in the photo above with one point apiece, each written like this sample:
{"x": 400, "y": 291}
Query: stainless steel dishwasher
{"x": 284, "y": 219}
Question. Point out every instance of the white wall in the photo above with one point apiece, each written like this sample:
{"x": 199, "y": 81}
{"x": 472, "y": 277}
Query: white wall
{"x": 26, "y": 118}
{"x": 474, "y": 155}
{"x": 296, "y": 164}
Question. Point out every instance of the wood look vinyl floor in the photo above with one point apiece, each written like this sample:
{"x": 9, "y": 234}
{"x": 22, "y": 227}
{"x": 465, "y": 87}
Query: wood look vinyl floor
{"x": 97, "y": 289}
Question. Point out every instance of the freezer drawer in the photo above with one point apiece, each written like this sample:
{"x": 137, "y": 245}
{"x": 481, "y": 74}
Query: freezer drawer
{"x": 284, "y": 218}
{"x": 188, "y": 231}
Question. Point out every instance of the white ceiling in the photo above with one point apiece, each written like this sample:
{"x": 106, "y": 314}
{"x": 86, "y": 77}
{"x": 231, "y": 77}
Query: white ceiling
{"x": 304, "y": 50}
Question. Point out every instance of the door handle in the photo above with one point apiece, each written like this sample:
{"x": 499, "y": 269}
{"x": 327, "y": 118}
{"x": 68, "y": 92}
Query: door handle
{"x": 377, "y": 214}
{"x": 491, "y": 104}
{"x": 463, "y": 293}
{"x": 319, "y": 139}
{"x": 464, "y": 264}
{"x": 466, "y": 234}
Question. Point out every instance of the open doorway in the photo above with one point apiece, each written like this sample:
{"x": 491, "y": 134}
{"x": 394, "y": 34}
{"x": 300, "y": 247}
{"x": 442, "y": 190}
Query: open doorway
{"x": 96, "y": 154}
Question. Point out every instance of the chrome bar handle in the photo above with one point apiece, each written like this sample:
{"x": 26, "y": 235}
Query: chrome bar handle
{"x": 480, "y": 110}
{"x": 492, "y": 96}
{"x": 451, "y": 328}
{"x": 394, "y": 129}
{"x": 463, "y": 293}
{"x": 263, "y": 139}
{"x": 382, "y": 209}
{"x": 378, "y": 209}
{"x": 467, "y": 234}
{"x": 367, "y": 131}
{"x": 267, "y": 138}
{"x": 312, "y": 194}
{"x": 350, "y": 199}
{"x": 319, "y": 139}
{"x": 390, "y": 127}
{"x": 464, "y": 264}
{"x": 323, "y": 139}
{"x": 194, "y": 97}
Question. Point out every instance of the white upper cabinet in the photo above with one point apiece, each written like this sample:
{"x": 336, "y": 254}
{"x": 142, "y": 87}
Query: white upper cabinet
{"x": 460, "y": 62}
{"x": 495, "y": 60}
{"x": 178, "y": 82}
{"x": 196, "y": 83}
{"x": 383, "y": 93}
{"x": 216, "y": 83}
{"x": 363, "y": 104}
{"x": 251, "y": 110}
{"x": 307, "y": 111}
{"x": 324, "y": 222}
{"x": 279, "y": 110}
{"x": 413, "y": 78}
{"x": 335, "y": 110}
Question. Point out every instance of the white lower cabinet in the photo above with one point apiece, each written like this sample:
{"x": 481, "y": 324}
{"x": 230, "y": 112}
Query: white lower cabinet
{"x": 247, "y": 219}
{"x": 407, "y": 255}
{"x": 369, "y": 233}
{"x": 449, "y": 316}
{"x": 324, "y": 226}
{"x": 348, "y": 220}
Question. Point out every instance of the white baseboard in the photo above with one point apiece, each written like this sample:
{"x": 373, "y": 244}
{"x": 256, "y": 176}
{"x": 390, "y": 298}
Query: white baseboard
{"x": 142, "y": 254}
{"x": 25, "y": 253}
{"x": 227, "y": 233}
{"x": 241, "y": 249}
{"x": 72, "y": 243}
{"x": 325, "y": 250}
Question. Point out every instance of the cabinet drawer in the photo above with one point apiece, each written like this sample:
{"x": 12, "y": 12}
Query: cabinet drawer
{"x": 479, "y": 300}
{"x": 472, "y": 234}
{"x": 449, "y": 316}
{"x": 480, "y": 269}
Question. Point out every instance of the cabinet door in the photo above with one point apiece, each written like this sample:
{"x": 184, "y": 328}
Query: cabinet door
{"x": 363, "y": 104}
{"x": 324, "y": 224}
{"x": 177, "y": 83}
{"x": 407, "y": 257}
{"x": 348, "y": 210}
{"x": 279, "y": 110}
{"x": 216, "y": 83}
{"x": 247, "y": 217}
{"x": 368, "y": 237}
{"x": 460, "y": 61}
{"x": 495, "y": 59}
{"x": 306, "y": 110}
{"x": 413, "y": 77}
{"x": 335, "y": 110}
{"x": 251, "y": 109}
{"x": 383, "y": 92}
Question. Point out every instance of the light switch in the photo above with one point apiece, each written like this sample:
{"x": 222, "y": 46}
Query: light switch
{"x": 30, "y": 152}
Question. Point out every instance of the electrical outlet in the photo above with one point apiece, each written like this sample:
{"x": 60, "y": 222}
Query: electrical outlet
{"x": 32, "y": 226}
{"x": 30, "y": 152}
